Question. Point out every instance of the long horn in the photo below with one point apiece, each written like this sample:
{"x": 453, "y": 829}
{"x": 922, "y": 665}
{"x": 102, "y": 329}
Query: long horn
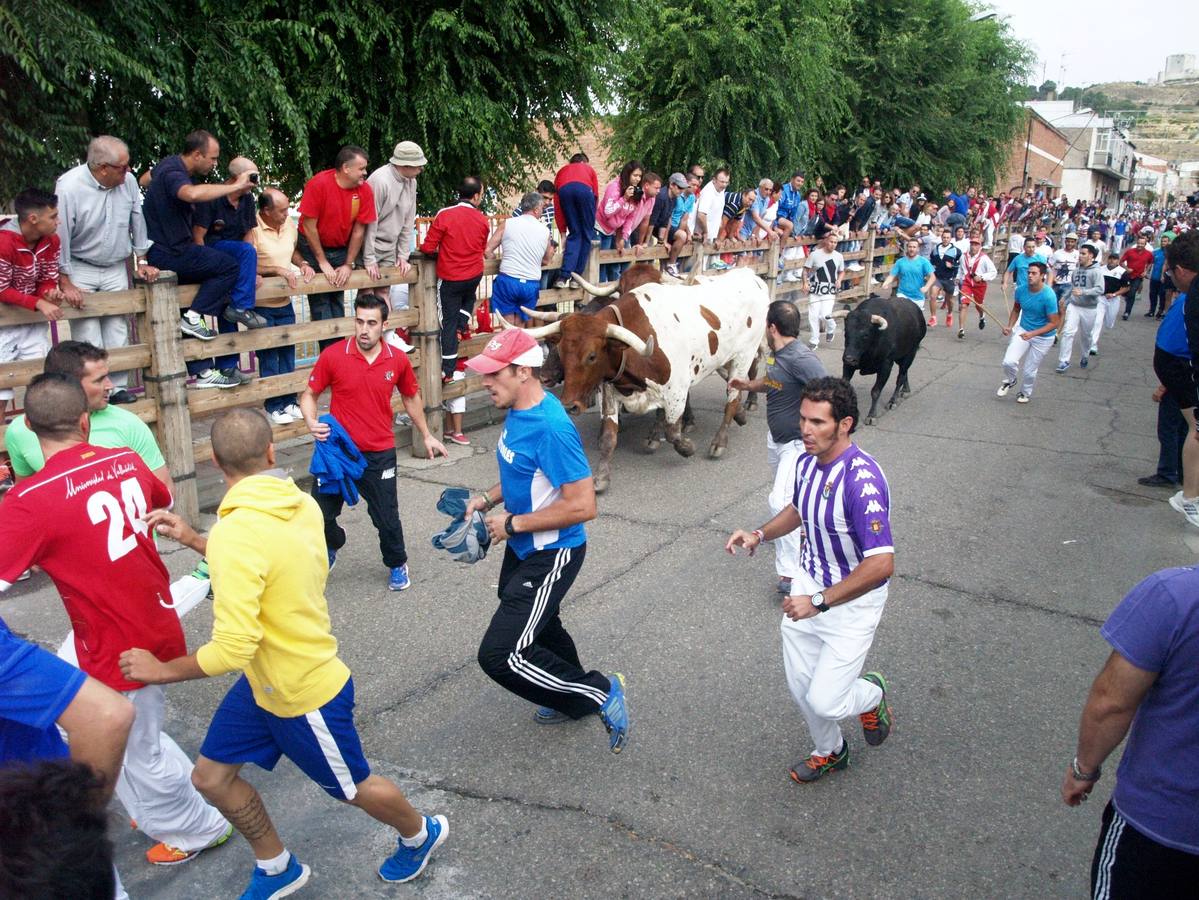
{"x": 540, "y": 315}
{"x": 544, "y": 331}
{"x": 879, "y": 321}
{"x": 643, "y": 348}
{"x": 591, "y": 288}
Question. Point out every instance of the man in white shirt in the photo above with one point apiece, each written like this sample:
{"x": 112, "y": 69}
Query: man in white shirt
{"x": 826, "y": 268}
{"x": 524, "y": 245}
{"x": 710, "y": 207}
{"x": 99, "y": 224}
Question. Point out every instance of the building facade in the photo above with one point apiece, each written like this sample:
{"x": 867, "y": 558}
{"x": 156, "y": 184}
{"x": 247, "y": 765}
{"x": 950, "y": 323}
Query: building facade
{"x": 1035, "y": 157}
{"x": 1099, "y": 162}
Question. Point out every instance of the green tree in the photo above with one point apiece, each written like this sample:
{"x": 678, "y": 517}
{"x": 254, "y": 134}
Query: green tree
{"x": 289, "y": 82}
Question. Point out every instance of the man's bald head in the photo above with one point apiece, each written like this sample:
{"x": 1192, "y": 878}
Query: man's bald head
{"x": 240, "y": 164}
{"x": 54, "y": 405}
{"x": 241, "y": 439}
{"x": 273, "y": 198}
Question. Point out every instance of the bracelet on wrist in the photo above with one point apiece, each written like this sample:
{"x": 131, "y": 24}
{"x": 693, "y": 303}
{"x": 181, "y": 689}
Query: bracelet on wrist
{"x": 760, "y": 535}
{"x": 490, "y": 504}
{"x": 1080, "y": 775}
{"x": 508, "y": 525}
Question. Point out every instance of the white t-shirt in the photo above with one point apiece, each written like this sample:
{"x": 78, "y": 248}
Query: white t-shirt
{"x": 827, "y": 269}
{"x": 1062, "y": 264}
{"x": 963, "y": 245}
{"x": 523, "y": 247}
{"x": 1015, "y": 243}
{"x": 711, "y": 203}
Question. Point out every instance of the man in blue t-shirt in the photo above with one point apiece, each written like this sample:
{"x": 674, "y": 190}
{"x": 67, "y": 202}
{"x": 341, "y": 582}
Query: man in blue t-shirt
{"x": 547, "y": 491}
{"x": 912, "y": 275}
{"x": 1033, "y": 325}
{"x": 1017, "y": 267}
{"x": 1149, "y": 838}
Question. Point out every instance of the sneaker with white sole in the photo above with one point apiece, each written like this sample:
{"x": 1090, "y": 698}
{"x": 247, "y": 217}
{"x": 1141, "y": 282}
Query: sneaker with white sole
{"x": 192, "y": 325}
{"x": 408, "y": 862}
{"x": 293, "y": 410}
{"x": 269, "y": 887}
{"x": 673, "y": 271}
{"x": 1023, "y": 398}
{"x": 615, "y": 714}
{"x": 547, "y": 715}
{"x": 398, "y": 580}
{"x": 1188, "y": 507}
{"x": 211, "y": 378}
{"x": 235, "y": 372}
{"x": 1063, "y": 366}
{"x": 1004, "y": 388}
{"x": 280, "y": 417}
{"x": 246, "y": 317}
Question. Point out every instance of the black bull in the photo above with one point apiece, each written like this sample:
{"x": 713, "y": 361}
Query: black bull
{"x": 880, "y": 333}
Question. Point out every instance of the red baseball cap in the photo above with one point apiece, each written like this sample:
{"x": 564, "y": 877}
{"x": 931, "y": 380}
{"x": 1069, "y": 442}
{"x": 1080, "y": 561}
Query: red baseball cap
{"x": 513, "y": 347}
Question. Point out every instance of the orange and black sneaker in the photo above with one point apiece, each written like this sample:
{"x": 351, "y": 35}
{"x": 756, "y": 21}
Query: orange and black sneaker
{"x": 876, "y": 724}
{"x": 816, "y": 767}
{"x": 166, "y": 855}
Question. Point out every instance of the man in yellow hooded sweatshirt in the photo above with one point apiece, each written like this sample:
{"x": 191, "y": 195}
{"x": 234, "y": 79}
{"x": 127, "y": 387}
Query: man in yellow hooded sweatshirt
{"x": 295, "y": 698}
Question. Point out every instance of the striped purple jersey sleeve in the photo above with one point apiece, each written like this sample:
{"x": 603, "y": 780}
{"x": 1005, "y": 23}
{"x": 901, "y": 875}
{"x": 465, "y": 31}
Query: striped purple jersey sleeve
{"x": 868, "y": 504}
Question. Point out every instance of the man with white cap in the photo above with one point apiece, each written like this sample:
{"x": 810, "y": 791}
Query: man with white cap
{"x": 389, "y": 238}
{"x": 548, "y": 493}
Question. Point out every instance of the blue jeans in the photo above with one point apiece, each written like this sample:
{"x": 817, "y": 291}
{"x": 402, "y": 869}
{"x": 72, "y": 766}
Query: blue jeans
{"x": 216, "y": 272}
{"x": 277, "y": 360}
{"x": 1171, "y": 433}
{"x": 608, "y": 271}
{"x": 577, "y": 202}
{"x": 330, "y": 305}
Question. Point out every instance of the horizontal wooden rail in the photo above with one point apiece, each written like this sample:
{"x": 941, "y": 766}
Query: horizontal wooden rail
{"x": 18, "y": 374}
{"x": 284, "y": 335}
{"x": 113, "y": 303}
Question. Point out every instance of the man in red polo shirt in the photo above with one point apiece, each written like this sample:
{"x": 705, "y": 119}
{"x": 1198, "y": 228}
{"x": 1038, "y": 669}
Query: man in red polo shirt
{"x": 335, "y": 209}
{"x": 1138, "y": 261}
{"x": 363, "y": 371}
{"x": 458, "y": 237}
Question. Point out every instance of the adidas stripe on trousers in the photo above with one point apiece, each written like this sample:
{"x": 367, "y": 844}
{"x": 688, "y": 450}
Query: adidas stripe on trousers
{"x": 526, "y": 649}
{"x": 1129, "y": 864}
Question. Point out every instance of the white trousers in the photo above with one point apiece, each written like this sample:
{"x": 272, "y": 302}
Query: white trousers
{"x": 782, "y": 461}
{"x": 109, "y": 332}
{"x": 1030, "y": 352}
{"x": 823, "y": 657}
{"x": 819, "y": 311}
{"x": 20, "y": 342}
{"x": 1077, "y": 318}
{"x": 1111, "y": 308}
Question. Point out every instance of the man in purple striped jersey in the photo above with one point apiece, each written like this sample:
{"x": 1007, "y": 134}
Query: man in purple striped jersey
{"x": 842, "y": 502}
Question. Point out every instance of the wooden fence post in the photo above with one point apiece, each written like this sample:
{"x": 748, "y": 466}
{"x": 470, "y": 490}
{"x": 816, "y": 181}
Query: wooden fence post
{"x": 593, "y": 264}
{"x": 772, "y": 267}
{"x": 868, "y": 262}
{"x": 166, "y": 385}
{"x": 429, "y": 333}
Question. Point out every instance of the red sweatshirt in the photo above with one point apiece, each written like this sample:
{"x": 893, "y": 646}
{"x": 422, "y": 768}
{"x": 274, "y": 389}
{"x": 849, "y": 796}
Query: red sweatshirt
{"x": 568, "y": 174}
{"x": 26, "y": 275}
{"x": 458, "y": 236}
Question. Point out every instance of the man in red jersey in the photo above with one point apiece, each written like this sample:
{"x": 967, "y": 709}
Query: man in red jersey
{"x": 80, "y": 519}
{"x": 1137, "y": 260}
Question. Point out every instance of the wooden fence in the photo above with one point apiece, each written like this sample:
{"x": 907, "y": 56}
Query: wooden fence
{"x": 161, "y": 355}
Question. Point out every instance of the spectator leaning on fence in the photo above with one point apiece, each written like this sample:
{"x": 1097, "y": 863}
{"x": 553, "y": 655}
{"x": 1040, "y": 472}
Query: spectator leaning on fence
{"x": 275, "y": 239}
{"x": 524, "y": 244}
{"x": 458, "y": 237}
{"x": 227, "y": 224}
{"x": 335, "y": 208}
{"x": 577, "y": 187}
{"x": 100, "y": 223}
{"x": 621, "y": 198}
{"x": 169, "y": 211}
{"x": 29, "y": 251}
{"x": 389, "y": 237}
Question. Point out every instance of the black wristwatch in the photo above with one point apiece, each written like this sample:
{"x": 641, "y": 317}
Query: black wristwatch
{"x": 508, "y": 525}
{"x": 1080, "y": 775}
{"x": 818, "y": 601}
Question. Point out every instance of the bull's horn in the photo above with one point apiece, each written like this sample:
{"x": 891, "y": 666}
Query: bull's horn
{"x": 505, "y": 324}
{"x": 591, "y": 288}
{"x": 643, "y": 348}
{"x": 544, "y": 331}
{"x": 540, "y": 315}
{"x": 879, "y": 321}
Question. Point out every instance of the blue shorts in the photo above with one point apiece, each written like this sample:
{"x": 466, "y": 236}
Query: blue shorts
{"x": 509, "y": 294}
{"x": 323, "y": 744}
{"x": 35, "y": 688}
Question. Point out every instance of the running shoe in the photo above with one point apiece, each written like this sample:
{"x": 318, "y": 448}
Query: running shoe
{"x": 1188, "y": 507}
{"x": 293, "y": 410}
{"x": 961, "y": 333}
{"x": 399, "y": 580}
{"x": 332, "y": 559}
{"x": 1082, "y": 363}
{"x": 816, "y": 767}
{"x": 1062, "y": 367}
{"x": 718, "y": 264}
{"x": 547, "y": 715}
{"x": 876, "y": 724}
{"x": 982, "y": 322}
{"x": 120, "y": 396}
{"x": 269, "y": 887}
{"x": 1094, "y": 351}
{"x": 200, "y": 572}
{"x": 615, "y": 714}
{"x": 246, "y": 317}
{"x": 1156, "y": 480}
{"x": 280, "y": 417}
{"x": 673, "y": 271}
{"x": 236, "y": 373}
{"x": 166, "y": 855}
{"x": 211, "y": 378}
{"x": 949, "y": 320}
{"x": 458, "y": 438}
{"x": 1004, "y": 388}
{"x": 1124, "y": 317}
{"x": 932, "y": 321}
{"x": 408, "y": 862}
{"x": 1023, "y": 398}
{"x": 193, "y": 326}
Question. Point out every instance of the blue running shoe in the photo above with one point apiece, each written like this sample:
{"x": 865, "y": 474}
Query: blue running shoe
{"x": 547, "y": 715}
{"x": 399, "y": 580}
{"x": 268, "y": 887}
{"x": 1083, "y": 362}
{"x": 615, "y": 714}
{"x": 408, "y": 862}
{"x": 332, "y": 559}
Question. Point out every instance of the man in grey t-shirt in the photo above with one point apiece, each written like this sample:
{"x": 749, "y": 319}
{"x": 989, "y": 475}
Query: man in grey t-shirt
{"x": 789, "y": 367}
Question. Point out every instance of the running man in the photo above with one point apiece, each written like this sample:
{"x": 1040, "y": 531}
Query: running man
{"x": 842, "y": 503}
{"x": 1032, "y": 325}
{"x": 80, "y": 519}
{"x": 975, "y": 273}
{"x": 295, "y": 697}
{"x": 946, "y": 259}
{"x": 1082, "y": 307}
{"x": 827, "y": 268}
{"x": 1062, "y": 265}
{"x": 912, "y": 275}
{"x": 1115, "y": 286}
{"x": 547, "y": 491}
{"x": 1017, "y": 267}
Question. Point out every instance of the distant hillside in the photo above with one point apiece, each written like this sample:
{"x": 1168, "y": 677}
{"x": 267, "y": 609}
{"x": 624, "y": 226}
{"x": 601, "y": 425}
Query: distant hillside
{"x": 1168, "y": 121}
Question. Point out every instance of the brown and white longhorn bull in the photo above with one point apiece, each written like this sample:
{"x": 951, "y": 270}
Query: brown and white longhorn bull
{"x": 647, "y": 349}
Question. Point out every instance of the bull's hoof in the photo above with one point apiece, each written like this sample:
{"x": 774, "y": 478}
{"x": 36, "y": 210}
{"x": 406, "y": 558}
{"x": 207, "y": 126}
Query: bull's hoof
{"x": 684, "y": 447}
{"x": 715, "y": 452}
{"x": 741, "y": 418}
{"x": 652, "y": 444}
{"x": 906, "y": 392}
{"x": 892, "y": 404}
{"x": 870, "y": 420}
{"x": 688, "y": 427}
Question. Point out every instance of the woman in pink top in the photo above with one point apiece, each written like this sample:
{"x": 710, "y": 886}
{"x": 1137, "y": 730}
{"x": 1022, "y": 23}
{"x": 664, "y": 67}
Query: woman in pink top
{"x": 618, "y": 202}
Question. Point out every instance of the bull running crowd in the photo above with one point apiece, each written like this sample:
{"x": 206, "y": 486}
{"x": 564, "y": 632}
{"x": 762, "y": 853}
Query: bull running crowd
{"x": 93, "y": 491}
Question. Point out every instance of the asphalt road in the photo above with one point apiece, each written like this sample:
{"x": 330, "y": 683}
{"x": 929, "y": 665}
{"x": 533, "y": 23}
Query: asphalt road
{"x": 1018, "y": 528}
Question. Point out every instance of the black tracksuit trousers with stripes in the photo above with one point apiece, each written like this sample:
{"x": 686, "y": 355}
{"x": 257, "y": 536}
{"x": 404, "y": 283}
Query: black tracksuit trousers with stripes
{"x": 526, "y": 649}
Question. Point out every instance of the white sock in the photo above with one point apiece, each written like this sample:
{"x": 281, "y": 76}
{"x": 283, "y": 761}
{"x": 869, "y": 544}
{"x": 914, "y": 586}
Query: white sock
{"x": 275, "y": 866}
{"x": 417, "y": 839}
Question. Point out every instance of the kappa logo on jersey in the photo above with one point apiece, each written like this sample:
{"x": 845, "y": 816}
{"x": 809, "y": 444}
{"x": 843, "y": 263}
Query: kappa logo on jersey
{"x": 874, "y": 507}
{"x": 869, "y": 490}
{"x": 857, "y": 461}
{"x": 863, "y": 475}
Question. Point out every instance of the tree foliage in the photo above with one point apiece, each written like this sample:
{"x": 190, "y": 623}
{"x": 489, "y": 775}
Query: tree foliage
{"x": 287, "y": 83}
{"x": 902, "y": 89}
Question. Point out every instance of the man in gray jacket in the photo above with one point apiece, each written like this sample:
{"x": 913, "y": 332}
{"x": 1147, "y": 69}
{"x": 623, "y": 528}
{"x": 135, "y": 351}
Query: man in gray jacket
{"x": 1082, "y": 304}
{"x": 388, "y": 240}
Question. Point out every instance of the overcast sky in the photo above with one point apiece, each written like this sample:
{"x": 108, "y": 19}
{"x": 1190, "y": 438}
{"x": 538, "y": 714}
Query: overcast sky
{"x": 1103, "y": 40}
